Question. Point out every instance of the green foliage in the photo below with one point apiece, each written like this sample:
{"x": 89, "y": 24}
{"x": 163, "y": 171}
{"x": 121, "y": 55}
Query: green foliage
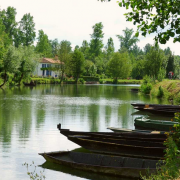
{"x": 46, "y": 80}
{"x": 160, "y": 92}
{"x": 96, "y": 43}
{"x": 9, "y": 21}
{"x": 90, "y": 78}
{"x": 146, "y": 85}
{"x": 161, "y": 75}
{"x": 128, "y": 40}
{"x": 138, "y": 69}
{"x": 155, "y": 61}
{"x": 169, "y": 169}
{"x": 109, "y": 48}
{"x": 33, "y": 174}
{"x": 27, "y": 30}
{"x": 146, "y": 88}
{"x": 161, "y": 17}
{"x": 119, "y": 66}
{"x": 76, "y": 64}
{"x": 81, "y": 80}
{"x": 43, "y": 46}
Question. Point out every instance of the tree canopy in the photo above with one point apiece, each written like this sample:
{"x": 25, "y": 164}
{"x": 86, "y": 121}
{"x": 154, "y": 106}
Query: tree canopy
{"x": 161, "y": 17}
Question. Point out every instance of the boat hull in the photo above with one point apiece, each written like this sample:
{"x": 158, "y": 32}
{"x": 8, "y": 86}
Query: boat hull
{"x": 98, "y": 163}
{"x": 154, "y": 124}
{"x": 118, "y": 149}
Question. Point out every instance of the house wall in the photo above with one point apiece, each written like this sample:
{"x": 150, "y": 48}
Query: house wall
{"x": 45, "y": 73}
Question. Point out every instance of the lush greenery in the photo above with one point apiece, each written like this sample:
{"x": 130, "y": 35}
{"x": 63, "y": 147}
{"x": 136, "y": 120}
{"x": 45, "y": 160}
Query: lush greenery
{"x": 160, "y": 17}
{"x": 19, "y": 57}
{"x": 169, "y": 167}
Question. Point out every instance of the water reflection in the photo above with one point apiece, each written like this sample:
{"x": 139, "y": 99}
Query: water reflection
{"x": 28, "y": 119}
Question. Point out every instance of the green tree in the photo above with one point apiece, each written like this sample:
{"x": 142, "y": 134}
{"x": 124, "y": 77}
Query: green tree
{"x": 96, "y": 43}
{"x": 170, "y": 64}
{"x": 54, "y": 46}
{"x": 109, "y": 48}
{"x": 160, "y": 17}
{"x": 11, "y": 63}
{"x": 43, "y": 45}
{"x": 138, "y": 71}
{"x": 64, "y": 53}
{"x": 9, "y": 20}
{"x": 85, "y": 49}
{"x": 27, "y": 30}
{"x": 4, "y": 42}
{"x": 76, "y": 64}
{"x": 128, "y": 40}
{"x": 90, "y": 68}
{"x": 156, "y": 61}
{"x": 28, "y": 62}
{"x": 119, "y": 66}
{"x": 147, "y": 48}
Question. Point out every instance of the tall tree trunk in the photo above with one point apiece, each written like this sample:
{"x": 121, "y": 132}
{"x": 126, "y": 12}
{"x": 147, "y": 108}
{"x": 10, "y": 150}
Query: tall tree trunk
{"x": 62, "y": 76}
{"x": 5, "y": 78}
{"x": 77, "y": 78}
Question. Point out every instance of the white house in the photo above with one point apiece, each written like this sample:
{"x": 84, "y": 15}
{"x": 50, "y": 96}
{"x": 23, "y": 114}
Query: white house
{"x": 46, "y": 63}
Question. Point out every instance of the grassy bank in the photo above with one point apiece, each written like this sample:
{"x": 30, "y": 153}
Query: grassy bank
{"x": 169, "y": 89}
{"x": 70, "y": 81}
{"x": 122, "y": 81}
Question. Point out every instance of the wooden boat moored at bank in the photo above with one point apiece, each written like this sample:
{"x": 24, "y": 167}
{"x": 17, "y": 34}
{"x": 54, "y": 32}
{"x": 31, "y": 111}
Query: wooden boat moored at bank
{"x": 136, "y": 130}
{"x": 106, "y": 164}
{"x": 118, "y": 148}
{"x": 157, "y": 108}
{"x": 144, "y": 122}
{"x": 119, "y": 135}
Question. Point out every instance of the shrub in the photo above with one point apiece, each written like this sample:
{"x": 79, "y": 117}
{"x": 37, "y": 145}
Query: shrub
{"x": 101, "y": 81}
{"x": 160, "y": 92}
{"x": 146, "y": 88}
{"x": 81, "y": 80}
{"x": 90, "y": 78}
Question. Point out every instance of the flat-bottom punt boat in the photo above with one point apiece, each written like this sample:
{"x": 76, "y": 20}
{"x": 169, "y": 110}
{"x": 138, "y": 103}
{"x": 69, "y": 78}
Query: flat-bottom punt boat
{"x": 138, "y": 149}
{"x": 143, "y": 122}
{"x": 157, "y": 108}
{"x": 141, "y": 106}
{"x": 106, "y": 164}
{"x": 125, "y": 135}
{"x": 135, "y": 130}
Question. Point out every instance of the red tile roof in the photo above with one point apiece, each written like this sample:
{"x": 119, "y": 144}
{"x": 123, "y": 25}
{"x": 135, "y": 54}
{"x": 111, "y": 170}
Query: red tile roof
{"x": 51, "y": 61}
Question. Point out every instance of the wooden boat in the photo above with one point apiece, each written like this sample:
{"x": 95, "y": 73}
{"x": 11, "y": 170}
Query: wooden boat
{"x": 135, "y": 130}
{"x": 143, "y": 122}
{"x": 141, "y": 106}
{"x": 120, "y": 135}
{"x": 134, "y": 89}
{"x": 104, "y": 146}
{"x": 157, "y": 108}
{"x": 104, "y": 164}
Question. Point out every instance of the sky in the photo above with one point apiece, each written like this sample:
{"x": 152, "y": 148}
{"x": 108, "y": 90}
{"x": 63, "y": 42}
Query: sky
{"x": 73, "y": 20}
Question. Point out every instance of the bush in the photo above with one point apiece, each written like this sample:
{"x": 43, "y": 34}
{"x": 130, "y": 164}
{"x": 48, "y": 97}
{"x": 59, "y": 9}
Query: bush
{"x": 101, "y": 81}
{"x": 90, "y": 78}
{"x": 146, "y": 88}
{"x": 81, "y": 80}
{"x": 160, "y": 92}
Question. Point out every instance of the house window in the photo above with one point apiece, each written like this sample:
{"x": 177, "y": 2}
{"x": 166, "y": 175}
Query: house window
{"x": 43, "y": 65}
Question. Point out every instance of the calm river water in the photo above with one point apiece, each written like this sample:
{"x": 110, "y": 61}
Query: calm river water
{"x": 29, "y": 118}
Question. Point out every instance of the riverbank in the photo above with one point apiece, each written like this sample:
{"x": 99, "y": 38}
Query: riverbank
{"x": 169, "y": 89}
{"x": 71, "y": 81}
